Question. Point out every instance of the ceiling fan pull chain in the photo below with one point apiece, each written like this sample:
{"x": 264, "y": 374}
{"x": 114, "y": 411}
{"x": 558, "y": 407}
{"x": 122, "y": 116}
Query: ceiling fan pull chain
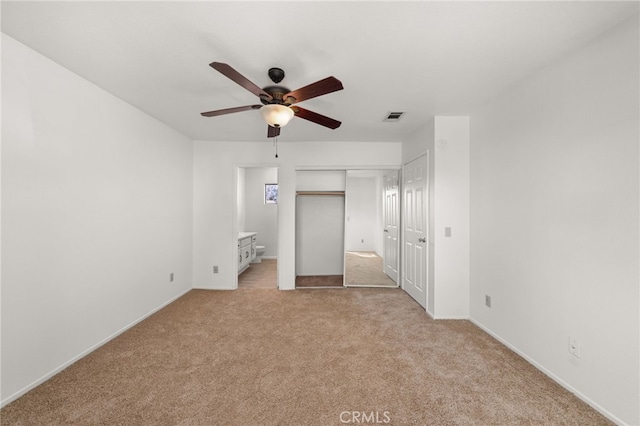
{"x": 275, "y": 141}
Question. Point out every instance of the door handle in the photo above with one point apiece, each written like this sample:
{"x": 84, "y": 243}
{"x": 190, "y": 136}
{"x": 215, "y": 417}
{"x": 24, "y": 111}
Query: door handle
{"x": 422, "y": 240}
{"x": 386, "y": 230}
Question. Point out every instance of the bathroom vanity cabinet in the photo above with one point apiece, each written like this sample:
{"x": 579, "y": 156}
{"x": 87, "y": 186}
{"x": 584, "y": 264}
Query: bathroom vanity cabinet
{"x": 246, "y": 250}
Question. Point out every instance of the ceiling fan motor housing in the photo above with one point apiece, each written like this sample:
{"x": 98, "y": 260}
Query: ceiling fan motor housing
{"x": 277, "y": 93}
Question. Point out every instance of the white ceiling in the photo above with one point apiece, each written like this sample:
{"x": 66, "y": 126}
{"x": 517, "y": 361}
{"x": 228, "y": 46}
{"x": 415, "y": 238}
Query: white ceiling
{"x": 426, "y": 58}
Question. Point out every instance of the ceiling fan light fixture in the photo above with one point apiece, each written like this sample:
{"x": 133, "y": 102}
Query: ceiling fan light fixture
{"x": 276, "y": 115}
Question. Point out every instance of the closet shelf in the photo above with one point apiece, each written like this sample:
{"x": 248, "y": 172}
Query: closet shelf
{"x": 334, "y": 193}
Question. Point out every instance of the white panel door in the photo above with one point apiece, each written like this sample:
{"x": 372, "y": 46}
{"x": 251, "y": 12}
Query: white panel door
{"x": 414, "y": 229}
{"x": 391, "y": 247}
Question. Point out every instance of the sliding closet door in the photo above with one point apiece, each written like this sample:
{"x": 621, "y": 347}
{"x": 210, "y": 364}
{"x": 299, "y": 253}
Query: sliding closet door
{"x": 319, "y": 235}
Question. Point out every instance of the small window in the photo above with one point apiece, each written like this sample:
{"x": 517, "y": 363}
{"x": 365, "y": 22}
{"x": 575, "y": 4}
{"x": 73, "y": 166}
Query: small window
{"x": 271, "y": 193}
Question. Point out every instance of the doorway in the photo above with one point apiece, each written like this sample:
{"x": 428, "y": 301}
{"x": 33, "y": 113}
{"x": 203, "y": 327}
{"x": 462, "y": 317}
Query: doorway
{"x": 320, "y": 208}
{"x": 371, "y": 228}
{"x": 257, "y": 219}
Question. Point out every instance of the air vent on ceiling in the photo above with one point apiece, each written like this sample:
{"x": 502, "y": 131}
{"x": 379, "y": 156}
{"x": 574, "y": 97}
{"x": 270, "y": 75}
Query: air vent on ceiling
{"x": 394, "y": 116}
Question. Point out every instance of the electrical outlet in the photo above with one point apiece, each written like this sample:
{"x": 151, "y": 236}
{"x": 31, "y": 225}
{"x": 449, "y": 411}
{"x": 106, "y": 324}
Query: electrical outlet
{"x": 171, "y": 277}
{"x": 574, "y": 347}
{"x": 487, "y": 300}
{"x": 447, "y": 231}
{"x": 215, "y": 269}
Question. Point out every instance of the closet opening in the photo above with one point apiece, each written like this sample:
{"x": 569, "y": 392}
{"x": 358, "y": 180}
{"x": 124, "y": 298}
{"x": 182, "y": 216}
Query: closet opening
{"x": 372, "y": 246}
{"x": 347, "y": 228}
{"x": 320, "y": 228}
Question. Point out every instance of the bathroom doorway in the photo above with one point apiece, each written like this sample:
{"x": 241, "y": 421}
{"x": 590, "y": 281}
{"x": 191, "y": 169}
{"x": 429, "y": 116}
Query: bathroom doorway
{"x": 257, "y": 219}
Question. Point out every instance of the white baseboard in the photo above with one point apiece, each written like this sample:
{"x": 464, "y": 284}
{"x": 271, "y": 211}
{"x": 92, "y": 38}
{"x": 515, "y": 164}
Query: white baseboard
{"x": 269, "y": 257}
{"x": 552, "y": 376}
{"x": 55, "y": 371}
{"x": 215, "y": 289}
{"x": 453, "y": 317}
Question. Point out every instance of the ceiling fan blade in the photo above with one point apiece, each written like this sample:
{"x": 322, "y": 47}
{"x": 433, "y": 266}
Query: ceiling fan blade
{"x": 229, "y": 110}
{"x": 234, "y": 75}
{"x": 272, "y": 132}
{"x": 316, "y": 118}
{"x": 319, "y": 88}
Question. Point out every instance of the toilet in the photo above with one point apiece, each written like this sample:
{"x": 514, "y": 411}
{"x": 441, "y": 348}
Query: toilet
{"x": 259, "y": 252}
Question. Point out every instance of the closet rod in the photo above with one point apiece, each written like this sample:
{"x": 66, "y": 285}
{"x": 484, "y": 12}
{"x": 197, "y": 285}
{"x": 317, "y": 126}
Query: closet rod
{"x": 334, "y": 193}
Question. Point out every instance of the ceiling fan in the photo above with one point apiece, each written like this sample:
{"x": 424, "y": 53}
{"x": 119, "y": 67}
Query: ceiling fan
{"x": 277, "y": 101}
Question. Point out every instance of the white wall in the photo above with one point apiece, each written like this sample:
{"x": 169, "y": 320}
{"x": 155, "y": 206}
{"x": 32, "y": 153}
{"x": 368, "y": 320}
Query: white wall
{"x": 378, "y": 238}
{"x": 319, "y": 235}
{"x": 241, "y": 212}
{"x": 96, "y": 213}
{"x": 215, "y": 192}
{"x": 363, "y": 206}
{"x": 260, "y": 217}
{"x": 419, "y": 142}
{"x": 451, "y": 210}
{"x": 320, "y": 180}
{"x": 320, "y": 223}
{"x": 554, "y": 220}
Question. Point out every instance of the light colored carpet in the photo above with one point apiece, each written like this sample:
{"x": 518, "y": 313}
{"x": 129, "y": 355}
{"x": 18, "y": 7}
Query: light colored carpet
{"x": 269, "y": 357}
{"x": 364, "y": 268}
